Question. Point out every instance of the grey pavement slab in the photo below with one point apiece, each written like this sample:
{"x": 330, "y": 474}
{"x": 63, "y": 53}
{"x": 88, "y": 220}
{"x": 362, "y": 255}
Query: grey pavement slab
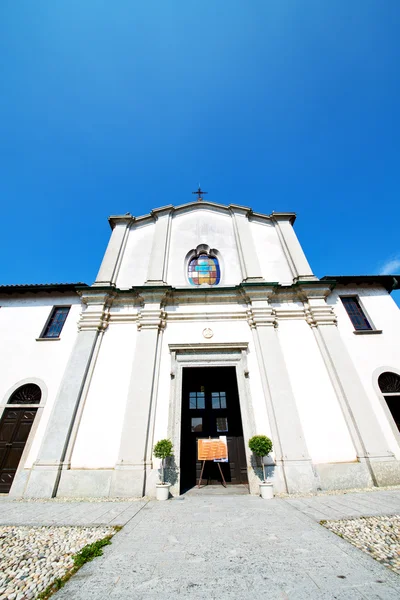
{"x": 342, "y": 506}
{"x": 68, "y": 513}
{"x": 241, "y": 547}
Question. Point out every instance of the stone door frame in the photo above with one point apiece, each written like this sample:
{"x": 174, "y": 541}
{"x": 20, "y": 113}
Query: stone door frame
{"x": 210, "y": 355}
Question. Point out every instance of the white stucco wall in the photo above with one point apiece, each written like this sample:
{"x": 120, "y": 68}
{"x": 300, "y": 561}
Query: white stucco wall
{"x": 99, "y": 433}
{"x": 189, "y": 229}
{"x": 22, "y": 319}
{"x": 273, "y": 262}
{"x": 325, "y": 430}
{"x": 371, "y": 353}
{"x": 136, "y": 257}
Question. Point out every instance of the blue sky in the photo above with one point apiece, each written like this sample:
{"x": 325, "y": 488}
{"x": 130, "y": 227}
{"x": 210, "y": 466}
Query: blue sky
{"x": 110, "y": 107}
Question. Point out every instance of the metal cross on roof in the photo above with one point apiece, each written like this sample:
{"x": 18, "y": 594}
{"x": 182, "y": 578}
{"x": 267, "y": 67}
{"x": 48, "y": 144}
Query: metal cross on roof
{"x": 199, "y": 193}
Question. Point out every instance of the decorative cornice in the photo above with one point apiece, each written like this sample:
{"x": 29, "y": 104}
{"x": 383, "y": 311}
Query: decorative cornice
{"x": 195, "y": 205}
{"x": 163, "y": 210}
{"x": 236, "y": 315}
{"x": 283, "y": 216}
{"x": 126, "y": 219}
{"x": 258, "y": 303}
{"x": 97, "y": 296}
{"x": 205, "y": 295}
{"x": 290, "y": 313}
{"x": 207, "y": 347}
{"x": 317, "y": 289}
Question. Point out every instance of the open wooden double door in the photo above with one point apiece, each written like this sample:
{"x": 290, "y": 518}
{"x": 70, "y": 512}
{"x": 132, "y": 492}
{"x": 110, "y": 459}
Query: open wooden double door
{"x": 210, "y": 408}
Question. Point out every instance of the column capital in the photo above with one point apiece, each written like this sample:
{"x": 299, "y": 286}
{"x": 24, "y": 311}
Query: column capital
{"x": 261, "y": 316}
{"x": 320, "y": 315}
{"x": 253, "y": 292}
{"x": 317, "y": 311}
{"x": 151, "y": 314}
{"x": 259, "y": 312}
{"x": 156, "y": 296}
{"x": 97, "y": 313}
{"x": 152, "y": 319}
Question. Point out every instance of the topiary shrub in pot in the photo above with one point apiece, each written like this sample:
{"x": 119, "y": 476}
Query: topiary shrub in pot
{"x": 163, "y": 449}
{"x": 261, "y": 446}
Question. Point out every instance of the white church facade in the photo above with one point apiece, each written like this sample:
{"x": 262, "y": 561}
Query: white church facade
{"x": 204, "y": 320}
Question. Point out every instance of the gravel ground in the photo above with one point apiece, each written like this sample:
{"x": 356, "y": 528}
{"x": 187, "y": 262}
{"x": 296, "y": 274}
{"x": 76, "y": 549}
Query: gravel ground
{"x": 377, "y": 536}
{"x": 33, "y": 557}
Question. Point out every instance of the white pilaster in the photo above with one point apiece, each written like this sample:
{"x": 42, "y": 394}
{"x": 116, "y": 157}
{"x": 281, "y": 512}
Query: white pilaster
{"x": 46, "y": 473}
{"x": 109, "y": 268}
{"x": 135, "y": 453}
{"x": 250, "y": 265}
{"x": 296, "y": 258}
{"x": 292, "y": 459}
{"x": 157, "y": 272}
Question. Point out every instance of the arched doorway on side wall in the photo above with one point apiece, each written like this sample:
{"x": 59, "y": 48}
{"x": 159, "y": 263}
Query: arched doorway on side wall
{"x": 15, "y": 425}
{"x": 389, "y": 384}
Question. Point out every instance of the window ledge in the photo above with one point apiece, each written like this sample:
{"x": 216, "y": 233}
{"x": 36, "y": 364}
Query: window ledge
{"x": 367, "y": 332}
{"x": 48, "y": 339}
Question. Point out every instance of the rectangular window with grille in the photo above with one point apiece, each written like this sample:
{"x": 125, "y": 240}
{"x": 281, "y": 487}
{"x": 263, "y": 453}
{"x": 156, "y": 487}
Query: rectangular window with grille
{"x": 56, "y": 322}
{"x": 356, "y": 313}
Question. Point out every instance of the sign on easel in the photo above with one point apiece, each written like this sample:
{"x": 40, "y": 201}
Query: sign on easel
{"x": 224, "y": 460}
{"x": 212, "y": 449}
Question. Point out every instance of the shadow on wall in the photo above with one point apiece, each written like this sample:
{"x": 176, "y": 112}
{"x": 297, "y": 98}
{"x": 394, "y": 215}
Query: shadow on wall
{"x": 257, "y": 465}
{"x": 170, "y": 471}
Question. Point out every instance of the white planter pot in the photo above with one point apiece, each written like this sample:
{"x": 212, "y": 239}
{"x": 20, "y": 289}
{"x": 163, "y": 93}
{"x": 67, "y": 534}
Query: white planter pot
{"x": 267, "y": 491}
{"x": 162, "y": 491}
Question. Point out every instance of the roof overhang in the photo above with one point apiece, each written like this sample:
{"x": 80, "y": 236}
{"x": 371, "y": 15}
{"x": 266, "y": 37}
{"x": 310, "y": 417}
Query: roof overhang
{"x": 42, "y": 287}
{"x": 389, "y": 282}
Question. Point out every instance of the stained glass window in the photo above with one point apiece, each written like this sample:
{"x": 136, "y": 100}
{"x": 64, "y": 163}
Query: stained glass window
{"x": 204, "y": 269}
{"x": 56, "y": 322}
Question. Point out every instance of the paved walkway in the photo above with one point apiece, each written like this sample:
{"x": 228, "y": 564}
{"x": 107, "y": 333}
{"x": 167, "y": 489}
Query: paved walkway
{"x": 342, "y": 506}
{"x": 68, "y": 513}
{"x": 224, "y": 547}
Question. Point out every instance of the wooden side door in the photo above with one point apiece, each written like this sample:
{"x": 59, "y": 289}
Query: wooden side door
{"x": 15, "y": 426}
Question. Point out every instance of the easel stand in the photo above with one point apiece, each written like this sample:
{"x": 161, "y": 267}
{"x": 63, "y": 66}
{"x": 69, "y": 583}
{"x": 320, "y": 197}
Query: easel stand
{"x": 220, "y": 470}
